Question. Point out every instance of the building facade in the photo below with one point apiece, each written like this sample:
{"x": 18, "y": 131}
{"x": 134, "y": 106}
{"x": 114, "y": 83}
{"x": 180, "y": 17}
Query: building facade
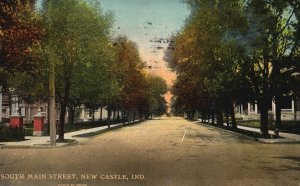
{"x": 28, "y": 111}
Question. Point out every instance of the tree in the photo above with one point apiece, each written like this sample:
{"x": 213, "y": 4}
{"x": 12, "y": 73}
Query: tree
{"x": 131, "y": 76}
{"x": 20, "y": 32}
{"x": 235, "y": 46}
{"x": 80, "y": 36}
{"x": 273, "y": 38}
{"x": 156, "y": 91}
{"x": 208, "y": 60}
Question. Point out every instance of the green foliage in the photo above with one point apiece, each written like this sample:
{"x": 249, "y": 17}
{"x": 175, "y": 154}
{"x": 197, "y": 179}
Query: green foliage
{"x": 90, "y": 70}
{"x": 130, "y": 75}
{"x": 82, "y": 49}
{"x": 156, "y": 91}
{"x": 235, "y": 52}
{"x": 11, "y": 134}
{"x": 83, "y": 54}
{"x": 28, "y": 131}
{"x": 206, "y": 62}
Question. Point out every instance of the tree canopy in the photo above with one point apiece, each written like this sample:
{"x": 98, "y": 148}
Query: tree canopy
{"x": 234, "y": 52}
{"x": 72, "y": 40}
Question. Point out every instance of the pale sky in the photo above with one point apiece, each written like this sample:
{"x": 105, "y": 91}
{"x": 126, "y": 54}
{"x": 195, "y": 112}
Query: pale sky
{"x": 145, "y": 20}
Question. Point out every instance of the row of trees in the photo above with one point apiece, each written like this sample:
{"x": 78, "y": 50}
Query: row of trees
{"x": 91, "y": 67}
{"x": 232, "y": 52}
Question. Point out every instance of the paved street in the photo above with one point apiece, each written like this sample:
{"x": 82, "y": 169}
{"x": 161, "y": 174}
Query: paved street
{"x": 164, "y": 151}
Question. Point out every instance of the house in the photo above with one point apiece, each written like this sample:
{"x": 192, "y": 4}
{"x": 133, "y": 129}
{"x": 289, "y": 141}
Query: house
{"x": 290, "y": 110}
{"x": 8, "y": 107}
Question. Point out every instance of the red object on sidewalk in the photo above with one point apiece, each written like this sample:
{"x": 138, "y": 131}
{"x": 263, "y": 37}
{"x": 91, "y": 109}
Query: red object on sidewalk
{"x": 16, "y": 121}
{"x": 38, "y": 127}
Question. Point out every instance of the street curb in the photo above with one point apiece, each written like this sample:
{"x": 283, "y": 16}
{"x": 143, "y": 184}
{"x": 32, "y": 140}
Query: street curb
{"x": 232, "y": 132}
{"x": 75, "y": 142}
{"x": 111, "y": 129}
{"x": 37, "y": 146}
{"x": 260, "y": 140}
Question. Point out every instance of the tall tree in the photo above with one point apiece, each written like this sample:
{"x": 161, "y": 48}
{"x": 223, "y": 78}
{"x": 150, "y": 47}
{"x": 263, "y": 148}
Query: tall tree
{"x": 272, "y": 43}
{"x": 156, "y": 91}
{"x": 80, "y": 34}
{"x": 131, "y": 76}
{"x": 207, "y": 59}
{"x": 248, "y": 47}
{"x": 20, "y": 32}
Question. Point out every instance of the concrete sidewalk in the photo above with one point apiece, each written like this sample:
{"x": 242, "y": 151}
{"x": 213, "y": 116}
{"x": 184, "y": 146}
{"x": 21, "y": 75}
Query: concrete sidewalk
{"x": 72, "y": 137}
{"x": 287, "y": 138}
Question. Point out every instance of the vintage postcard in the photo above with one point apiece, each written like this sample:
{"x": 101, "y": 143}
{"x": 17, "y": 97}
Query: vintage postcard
{"x": 149, "y": 92}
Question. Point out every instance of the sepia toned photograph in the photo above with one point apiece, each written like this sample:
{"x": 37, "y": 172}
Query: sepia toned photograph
{"x": 149, "y": 92}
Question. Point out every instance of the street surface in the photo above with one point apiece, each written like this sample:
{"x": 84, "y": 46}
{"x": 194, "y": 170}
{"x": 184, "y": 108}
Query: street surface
{"x": 164, "y": 151}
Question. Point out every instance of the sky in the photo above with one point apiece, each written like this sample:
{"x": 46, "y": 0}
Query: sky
{"x": 145, "y": 21}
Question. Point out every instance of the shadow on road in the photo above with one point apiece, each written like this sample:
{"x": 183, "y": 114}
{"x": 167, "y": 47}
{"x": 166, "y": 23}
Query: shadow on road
{"x": 284, "y": 167}
{"x": 293, "y": 158}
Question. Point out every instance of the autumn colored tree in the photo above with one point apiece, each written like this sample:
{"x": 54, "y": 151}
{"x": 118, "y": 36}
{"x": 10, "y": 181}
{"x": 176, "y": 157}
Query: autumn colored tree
{"x": 156, "y": 91}
{"x": 20, "y": 32}
{"x": 140, "y": 93}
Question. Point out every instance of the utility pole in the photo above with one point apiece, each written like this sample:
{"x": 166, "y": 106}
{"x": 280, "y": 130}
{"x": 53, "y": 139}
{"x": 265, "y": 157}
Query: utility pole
{"x": 51, "y": 59}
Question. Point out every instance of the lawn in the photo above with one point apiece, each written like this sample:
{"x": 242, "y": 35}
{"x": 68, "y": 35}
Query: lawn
{"x": 287, "y": 126}
{"x": 73, "y": 127}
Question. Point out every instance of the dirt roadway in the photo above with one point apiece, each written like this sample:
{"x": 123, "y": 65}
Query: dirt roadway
{"x": 164, "y": 151}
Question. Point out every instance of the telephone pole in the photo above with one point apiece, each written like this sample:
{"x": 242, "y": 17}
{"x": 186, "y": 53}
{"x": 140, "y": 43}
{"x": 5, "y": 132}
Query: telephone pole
{"x": 51, "y": 59}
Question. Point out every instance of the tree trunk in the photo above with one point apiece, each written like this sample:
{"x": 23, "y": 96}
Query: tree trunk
{"x": 278, "y": 111}
{"x": 123, "y": 115}
{"x": 118, "y": 114}
{"x": 10, "y": 104}
{"x": 232, "y": 115}
{"x": 114, "y": 114}
{"x": 227, "y": 118}
{"x": 208, "y": 116}
{"x": 108, "y": 117}
{"x": 220, "y": 120}
{"x": 213, "y": 117}
{"x": 62, "y": 115}
{"x": 101, "y": 108}
{"x": 93, "y": 115}
{"x": 48, "y": 124}
{"x": 62, "y": 121}
{"x": 72, "y": 115}
{"x": 264, "y": 118}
